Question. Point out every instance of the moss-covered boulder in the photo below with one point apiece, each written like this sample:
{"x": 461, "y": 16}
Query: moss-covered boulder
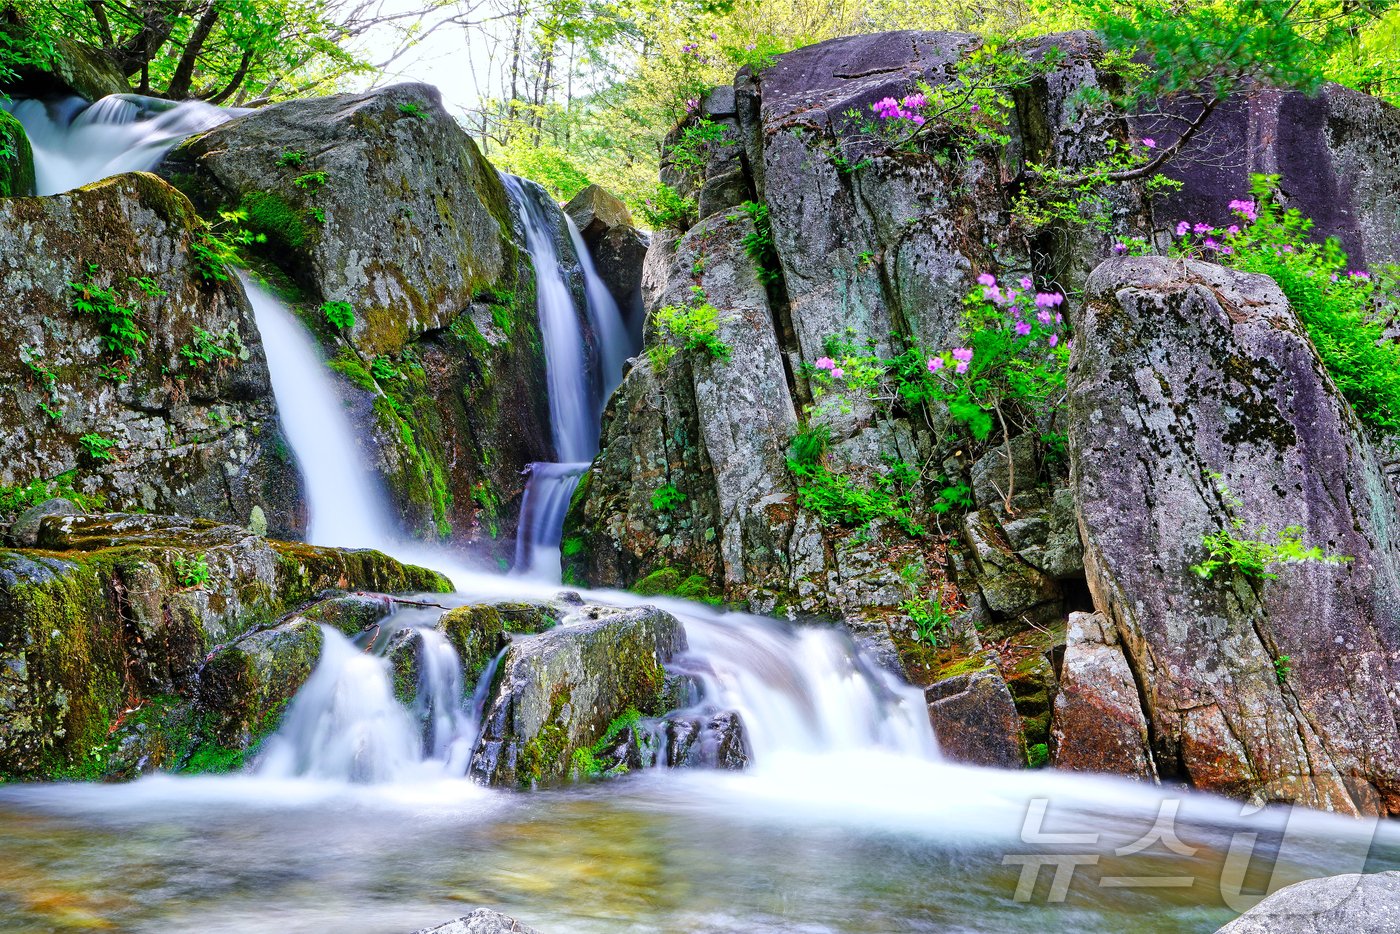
{"x": 76, "y": 68}
{"x": 556, "y": 693}
{"x": 16, "y": 159}
{"x": 381, "y": 201}
{"x": 130, "y": 373}
{"x": 113, "y": 615}
{"x": 479, "y": 631}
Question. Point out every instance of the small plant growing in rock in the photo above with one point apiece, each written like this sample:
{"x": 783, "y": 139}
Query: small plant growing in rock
{"x": 411, "y": 109}
{"x": 116, "y": 321}
{"x": 318, "y": 215}
{"x": 664, "y": 209}
{"x": 97, "y": 447}
{"x": 192, "y": 572}
{"x": 383, "y": 368}
{"x": 341, "y": 315}
{"x": 53, "y": 413}
{"x": 667, "y": 498}
{"x": 1252, "y": 557}
{"x": 1283, "y": 667}
{"x": 311, "y": 181}
{"x": 1037, "y": 756}
{"x": 697, "y": 327}
{"x": 207, "y": 348}
{"x": 291, "y": 158}
{"x": 758, "y": 243}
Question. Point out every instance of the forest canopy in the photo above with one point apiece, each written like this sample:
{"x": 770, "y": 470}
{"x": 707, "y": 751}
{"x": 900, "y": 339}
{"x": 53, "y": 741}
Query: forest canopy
{"x": 580, "y": 91}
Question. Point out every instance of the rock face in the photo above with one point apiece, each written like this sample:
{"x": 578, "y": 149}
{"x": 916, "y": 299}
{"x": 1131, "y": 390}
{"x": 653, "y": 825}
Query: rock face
{"x": 185, "y": 424}
{"x": 1337, "y": 155}
{"x": 1197, "y": 400}
{"x": 381, "y": 201}
{"x": 105, "y": 628}
{"x": 618, "y": 249}
{"x": 809, "y": 236}
{"x": 1098, "y": 724}
{"x": 1334, "y": 905}
{"x": 481, "y": 921}
{"x": 557, "y": 693}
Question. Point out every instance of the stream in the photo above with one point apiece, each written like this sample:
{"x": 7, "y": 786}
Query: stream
{"x": 846, "y": 821}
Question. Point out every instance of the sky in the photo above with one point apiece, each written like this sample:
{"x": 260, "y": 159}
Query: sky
{"x": 454, "y": 59}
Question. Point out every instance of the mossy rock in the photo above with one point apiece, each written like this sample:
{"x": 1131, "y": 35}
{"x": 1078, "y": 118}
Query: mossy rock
{"x": 16, "y": 159}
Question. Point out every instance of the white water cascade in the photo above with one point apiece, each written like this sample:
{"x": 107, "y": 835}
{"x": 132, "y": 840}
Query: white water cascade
{"x": 76, "y": 143}
{"x": 581, "y": 374}
{"x": 347, "y": 508}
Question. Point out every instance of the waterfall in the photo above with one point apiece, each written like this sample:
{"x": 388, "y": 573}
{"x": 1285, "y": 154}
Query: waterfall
{"x": 76, "y": 143}
{"x": 347, "y": 508}
{"x": 580, "y": 375}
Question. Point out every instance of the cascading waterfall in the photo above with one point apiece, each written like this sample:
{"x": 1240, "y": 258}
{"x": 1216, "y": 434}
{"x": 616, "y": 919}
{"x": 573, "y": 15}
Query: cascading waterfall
{"x": 76, "y": 143}
{"x": 347, "y": 509}
{"x": 580, "y": 374}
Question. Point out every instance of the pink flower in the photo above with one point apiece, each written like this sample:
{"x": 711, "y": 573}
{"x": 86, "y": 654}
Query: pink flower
{"x": 993, "y": 294}
{"x": 960, "y": 368}
{"x": 1201, "y": 228}
{"x": 1210, "y": 243}
{"x": 986, "y": 279}
{"x": 1026, "y": 283}
{"x": 1232, "y": 229}
{"x": 962, "y": 353}
{"x": 1044, "y": 317}
{"x": 1053, "y": 339}
{"x": 974, "y": 109}
{"x": 1023, "y": 328}
{"x": 1149, "y": 143}
{"x": 1183, "y": 229}
{"x": 1120, "y": 249}
{"x": 837, "y": 373}
{"x": 935, "y": 364}
{"x": 825, "y": 363}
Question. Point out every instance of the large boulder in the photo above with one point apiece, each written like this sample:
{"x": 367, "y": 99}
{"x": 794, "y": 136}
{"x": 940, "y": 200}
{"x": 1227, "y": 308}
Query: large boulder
{"x": 1197, "y": 405}
{"x": 975, "y": 720}
{"x": 186, "y": 423}
{"x": 556, "y": 693}
{"x": 1098, "y": 725}
{"x": 76, "y": 68}
{"x": 106, "y": 626}
{"x": 1345, "y": 904}
{"x": 380, "y": 200}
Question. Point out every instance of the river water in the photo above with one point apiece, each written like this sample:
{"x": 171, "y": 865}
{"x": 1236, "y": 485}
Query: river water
{"x": 846, "y": 821}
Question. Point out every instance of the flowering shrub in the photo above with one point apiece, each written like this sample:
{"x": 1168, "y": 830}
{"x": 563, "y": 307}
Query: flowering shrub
{"x": 1008, "y": 373}
{"x": 1340, "y": 307}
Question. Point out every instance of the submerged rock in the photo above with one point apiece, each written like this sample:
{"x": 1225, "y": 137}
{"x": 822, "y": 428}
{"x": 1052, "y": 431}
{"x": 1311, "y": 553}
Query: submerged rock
{"x": 481, "y": 921}
{"x": 184, "y": 423}
{"x": 165, "y": 624}
{"x": 1197, "y": 405}
{"x": 1345, "y": 904}
{"x": 381, "y": 201}
{"x": 556, "y": 693}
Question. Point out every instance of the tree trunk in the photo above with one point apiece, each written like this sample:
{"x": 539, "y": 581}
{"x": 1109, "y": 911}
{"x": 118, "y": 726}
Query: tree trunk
{"x": 184, "y": 72}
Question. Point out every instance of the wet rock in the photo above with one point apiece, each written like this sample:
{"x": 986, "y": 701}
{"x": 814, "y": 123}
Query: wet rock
{"x": 557, "y": 692}
{"x": 481, "y": 921}
{"x": 1188, "y": 380}
{"x": 17, "y": 166}
{"x": 1098, "y": 724}
{"x": 391, "y": 208}
{"x": 974, "y": 719}
{"x": 25, "y": 530}
{"x": 1344, "y": 904}
{"x": 201, "y": 439}
{"x": 120, "y": 615}
{"x": 710, "y": 741}
{"x": 479, "y": 631}
{"x": 617, "y": 247}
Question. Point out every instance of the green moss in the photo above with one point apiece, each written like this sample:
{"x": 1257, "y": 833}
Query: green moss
{"x": 542, "y": 757}
{"x": 16, "y": 159}
{"x": 270, "y": 215}
{"x": 669, "y": 582}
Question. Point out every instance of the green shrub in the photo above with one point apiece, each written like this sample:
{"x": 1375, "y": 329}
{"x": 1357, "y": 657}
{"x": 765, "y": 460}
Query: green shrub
{"x": 1253, "y": 557}
{"x": 664, "y": 209}
{"x": 192, "y": 572}
{"x": 116, "y": 321}
{"x": 97, "y": 447}
{"x": 697, "y": 328}
{"x": 291, "y": 158}
{"x": 341, "y": 315}
{"x": 667, "y": 498}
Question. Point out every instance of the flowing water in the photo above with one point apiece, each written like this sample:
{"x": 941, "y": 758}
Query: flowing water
{"x": 357, "y": 817}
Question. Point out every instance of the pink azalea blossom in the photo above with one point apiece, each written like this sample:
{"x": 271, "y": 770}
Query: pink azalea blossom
{"x": 986, "y": 279}
{"x": 825, "y": 363}
{"x": 962, "y": 353}
{"x": 1149, "y": 143}
{"x": 935, "y": 364}
{"x": 961, "y": 368}
{"x": 1023, "y": 328}
{"x": 837, "y": 373}
{"x": 1026, "y": 283}
{"x": 1053, "y": 339}
{"x": 1183, "y": 229}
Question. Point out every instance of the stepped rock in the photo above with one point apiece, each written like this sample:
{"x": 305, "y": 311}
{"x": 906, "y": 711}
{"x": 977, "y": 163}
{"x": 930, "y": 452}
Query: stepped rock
{"x": 1181, "y": 371}
{"x": 113, "y": 611}
{"x": 1098, "y": 724}
{"x": 481, "y": 921}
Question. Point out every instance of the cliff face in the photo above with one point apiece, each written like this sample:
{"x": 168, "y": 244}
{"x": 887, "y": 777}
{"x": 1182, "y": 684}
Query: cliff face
{"x": 812, "y": 243}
